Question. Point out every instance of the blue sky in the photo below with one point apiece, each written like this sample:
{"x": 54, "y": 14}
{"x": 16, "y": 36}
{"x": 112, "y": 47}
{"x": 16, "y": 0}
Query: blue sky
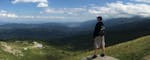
{"x": 70, "y": 10}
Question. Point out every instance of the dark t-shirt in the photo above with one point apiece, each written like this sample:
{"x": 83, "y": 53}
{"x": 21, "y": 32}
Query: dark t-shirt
{"x": 99, "y": 29}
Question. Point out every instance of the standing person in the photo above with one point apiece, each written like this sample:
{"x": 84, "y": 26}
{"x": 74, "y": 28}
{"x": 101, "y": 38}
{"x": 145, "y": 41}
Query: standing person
{"x": 98, "y": 35}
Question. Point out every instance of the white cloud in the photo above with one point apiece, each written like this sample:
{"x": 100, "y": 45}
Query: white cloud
{"x": 4, "y": 13}
{"x": 29, "y": 1}
{"x": 54, "y": 11}
{"x": 119, "y": 9}
{"x": 41, "y": 3}
{"x": 145, "y": 1}
{"x": 65, "y": 11}
{"x": 110, "y": 10}
{"x": 42, "y": 17}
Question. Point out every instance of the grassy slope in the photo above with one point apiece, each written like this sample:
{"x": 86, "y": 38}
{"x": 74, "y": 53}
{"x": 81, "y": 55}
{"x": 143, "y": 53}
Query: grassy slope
{"x": 131, "y": 50}
{"x": 15, "y": 50}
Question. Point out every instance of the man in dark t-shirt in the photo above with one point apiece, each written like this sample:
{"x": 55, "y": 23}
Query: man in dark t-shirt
{"x": 98, "y": 36}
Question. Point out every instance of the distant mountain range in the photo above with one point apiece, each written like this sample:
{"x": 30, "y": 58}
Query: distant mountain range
{"x": 117, "y": 30}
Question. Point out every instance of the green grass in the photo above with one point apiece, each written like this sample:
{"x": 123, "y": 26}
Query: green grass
{"x": 45, "y": 53}
{"x": 132, "y": 50}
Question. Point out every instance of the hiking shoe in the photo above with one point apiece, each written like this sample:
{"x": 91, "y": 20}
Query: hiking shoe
{"x": 94, "y": 56}
{"x": 102, "y": 55}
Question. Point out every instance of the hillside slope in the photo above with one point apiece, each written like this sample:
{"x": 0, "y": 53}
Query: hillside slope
{"x": 136, "y": 49}
{"x": 131, "y": 50}
{"x": 27, "y": 50}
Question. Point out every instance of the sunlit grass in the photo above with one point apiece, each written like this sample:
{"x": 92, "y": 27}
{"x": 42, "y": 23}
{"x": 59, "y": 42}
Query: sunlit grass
{"x": 131, "y": 50}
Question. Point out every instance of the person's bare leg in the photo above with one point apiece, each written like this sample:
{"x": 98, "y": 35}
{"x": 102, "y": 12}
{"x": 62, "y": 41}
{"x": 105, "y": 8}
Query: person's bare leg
{"x": 96, "y": 50}
{"x": 95, "y": 53}
{"x": 103, "y": 47}
{"x": 96, "y": 46}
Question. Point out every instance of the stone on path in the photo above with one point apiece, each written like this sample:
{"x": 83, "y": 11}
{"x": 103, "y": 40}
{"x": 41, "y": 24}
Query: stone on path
{"x": 100, "y": 58}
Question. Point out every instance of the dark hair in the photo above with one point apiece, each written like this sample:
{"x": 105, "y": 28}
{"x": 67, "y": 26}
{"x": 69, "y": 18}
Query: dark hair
{"x": 99, "y": 17}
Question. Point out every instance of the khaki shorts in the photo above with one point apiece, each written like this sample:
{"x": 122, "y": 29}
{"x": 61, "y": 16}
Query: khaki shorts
{"x": 99, "y": 42}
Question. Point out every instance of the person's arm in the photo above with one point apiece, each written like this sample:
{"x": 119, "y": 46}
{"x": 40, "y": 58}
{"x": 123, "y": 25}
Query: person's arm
{"x": 95, "y": 30}
{"x": 102, "y": 29}
{"x": 102, "y": 26}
